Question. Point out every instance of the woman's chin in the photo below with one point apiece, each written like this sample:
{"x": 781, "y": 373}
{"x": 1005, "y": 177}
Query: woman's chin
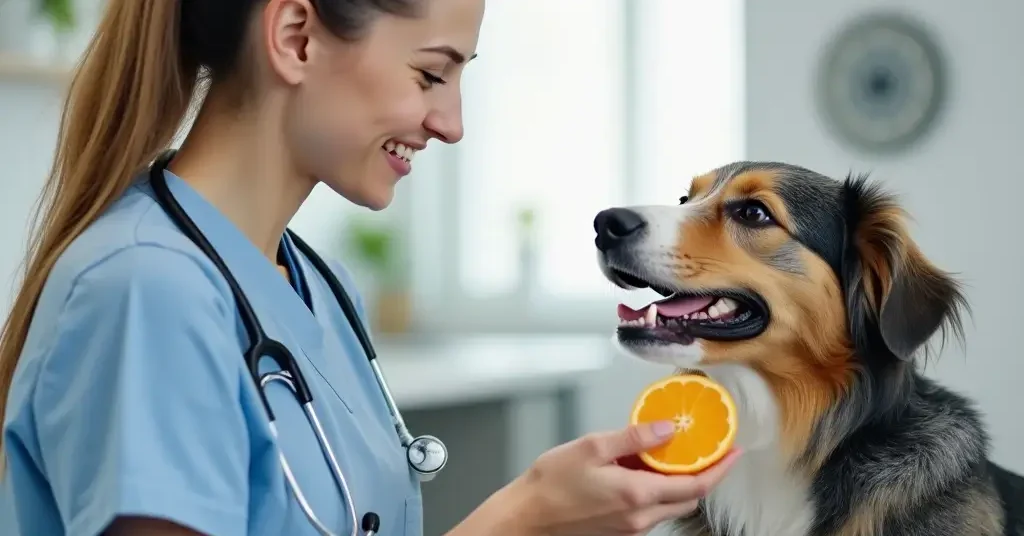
{"x": 374, "y": 193}
{"x": 376, "y": 196}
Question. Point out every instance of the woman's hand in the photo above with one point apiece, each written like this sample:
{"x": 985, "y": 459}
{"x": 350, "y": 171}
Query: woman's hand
{"x": 579, "y": 489}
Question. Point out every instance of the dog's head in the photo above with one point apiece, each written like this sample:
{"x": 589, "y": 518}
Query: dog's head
{"x": 780, "y": 269}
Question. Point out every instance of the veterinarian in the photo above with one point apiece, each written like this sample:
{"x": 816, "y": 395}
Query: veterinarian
{"x": 177, "y": 363}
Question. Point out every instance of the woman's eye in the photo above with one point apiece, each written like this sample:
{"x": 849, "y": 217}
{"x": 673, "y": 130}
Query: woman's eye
{"x": 752, "y": 213}
{"x": 684, "y": 199}
{"x": 430, "y": 79}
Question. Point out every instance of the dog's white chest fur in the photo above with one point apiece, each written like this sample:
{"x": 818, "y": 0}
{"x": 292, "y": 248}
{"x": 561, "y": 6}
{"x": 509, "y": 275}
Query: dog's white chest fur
{"x": 759, "y": 497}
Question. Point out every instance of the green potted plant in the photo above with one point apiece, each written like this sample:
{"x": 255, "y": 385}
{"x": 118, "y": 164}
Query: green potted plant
{"x": 60, "y": 13}
{"x": 376, "y": 248}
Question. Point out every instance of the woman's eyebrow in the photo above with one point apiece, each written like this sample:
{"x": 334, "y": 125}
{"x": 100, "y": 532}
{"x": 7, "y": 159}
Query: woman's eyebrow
{"x": 457, "y": 57}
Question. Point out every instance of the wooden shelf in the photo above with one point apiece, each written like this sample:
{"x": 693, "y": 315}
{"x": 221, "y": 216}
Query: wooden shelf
{"x": 25, "y": 70}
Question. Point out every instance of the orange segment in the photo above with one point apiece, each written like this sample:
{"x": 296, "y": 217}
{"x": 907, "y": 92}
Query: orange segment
{"x": 705, "y": 417}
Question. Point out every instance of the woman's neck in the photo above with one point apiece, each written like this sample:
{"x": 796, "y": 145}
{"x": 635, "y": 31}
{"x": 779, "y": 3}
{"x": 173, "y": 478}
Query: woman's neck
{"x": 238, "y": 163}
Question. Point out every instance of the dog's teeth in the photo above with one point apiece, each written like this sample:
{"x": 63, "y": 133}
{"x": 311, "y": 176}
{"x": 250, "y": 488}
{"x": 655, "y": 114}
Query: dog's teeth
{"x": 726, "y": 305}
{"x": 721, "y": 307}
{"x": 651, "y": 318}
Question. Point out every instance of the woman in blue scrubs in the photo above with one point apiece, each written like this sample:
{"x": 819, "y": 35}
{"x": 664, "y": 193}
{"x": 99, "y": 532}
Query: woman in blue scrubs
{"x": 126, "y": 405}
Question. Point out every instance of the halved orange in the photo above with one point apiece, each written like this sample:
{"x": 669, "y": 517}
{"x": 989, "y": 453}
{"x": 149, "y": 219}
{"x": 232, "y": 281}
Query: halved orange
{"x": 705, "y": 417}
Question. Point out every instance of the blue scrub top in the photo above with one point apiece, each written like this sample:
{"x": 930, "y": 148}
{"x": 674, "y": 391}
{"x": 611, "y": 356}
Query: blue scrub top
{"x": 131, "y": 397}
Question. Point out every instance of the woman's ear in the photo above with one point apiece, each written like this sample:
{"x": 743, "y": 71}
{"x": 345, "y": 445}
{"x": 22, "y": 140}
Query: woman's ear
{"x": 286, "y": 31}
{"x": 896, "y": 299}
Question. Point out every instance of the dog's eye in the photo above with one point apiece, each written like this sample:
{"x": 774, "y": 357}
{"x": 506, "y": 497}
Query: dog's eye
{"x": 752, "y": 213}
{"x": 684, "y": 199}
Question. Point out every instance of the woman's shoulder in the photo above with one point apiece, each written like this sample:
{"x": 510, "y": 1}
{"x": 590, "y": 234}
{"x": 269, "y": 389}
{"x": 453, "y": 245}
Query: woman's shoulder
{"x": 125, "y": 290}
{"x": 134, "y": 220}
{"x": 131, "y": 248}
{"x": 132, "y": 240}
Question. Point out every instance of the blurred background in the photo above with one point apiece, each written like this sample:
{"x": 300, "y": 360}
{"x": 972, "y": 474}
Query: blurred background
{"x": 493, "y": 319}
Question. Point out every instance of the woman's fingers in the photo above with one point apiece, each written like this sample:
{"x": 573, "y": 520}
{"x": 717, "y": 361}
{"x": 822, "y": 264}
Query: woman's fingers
{"x": 610, "y": 446}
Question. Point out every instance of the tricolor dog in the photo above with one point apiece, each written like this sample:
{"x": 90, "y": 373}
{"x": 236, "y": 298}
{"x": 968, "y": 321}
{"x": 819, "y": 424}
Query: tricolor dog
{"x": 806, "y": 298}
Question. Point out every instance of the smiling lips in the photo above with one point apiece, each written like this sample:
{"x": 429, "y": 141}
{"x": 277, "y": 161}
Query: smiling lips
{"x": 399, "y": 156}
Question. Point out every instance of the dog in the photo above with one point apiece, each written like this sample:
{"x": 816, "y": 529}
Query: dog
{"x": 805, "y": 297}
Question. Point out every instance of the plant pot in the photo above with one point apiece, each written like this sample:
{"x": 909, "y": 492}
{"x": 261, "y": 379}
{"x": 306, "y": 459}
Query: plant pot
{"x": 392, "y": 312}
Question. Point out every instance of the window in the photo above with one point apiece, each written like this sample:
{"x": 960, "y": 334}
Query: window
{"x": 544, "y": 117}
{"x": 573, "y": 106}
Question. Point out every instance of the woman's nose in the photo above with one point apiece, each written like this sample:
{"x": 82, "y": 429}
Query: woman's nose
{"x": 446, "y": 125}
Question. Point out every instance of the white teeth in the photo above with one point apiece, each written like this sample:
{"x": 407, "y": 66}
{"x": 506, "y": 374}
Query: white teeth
{"x": 403, "y": 151}
{"x": 722, "y": 307}
{"x": 651, "y": 319}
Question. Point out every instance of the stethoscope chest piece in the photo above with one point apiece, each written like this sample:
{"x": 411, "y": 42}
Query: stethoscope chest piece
{"x": 427, "y": 455}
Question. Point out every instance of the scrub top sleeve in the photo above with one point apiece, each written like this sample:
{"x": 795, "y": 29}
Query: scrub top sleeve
{"x": 138, "y": 407}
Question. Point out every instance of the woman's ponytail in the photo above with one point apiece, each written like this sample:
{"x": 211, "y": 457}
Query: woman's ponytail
{"x": 126, "y": 101}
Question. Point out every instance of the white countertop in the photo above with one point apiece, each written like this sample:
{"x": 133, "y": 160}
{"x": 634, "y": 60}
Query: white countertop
{"x": 428, "y": 372}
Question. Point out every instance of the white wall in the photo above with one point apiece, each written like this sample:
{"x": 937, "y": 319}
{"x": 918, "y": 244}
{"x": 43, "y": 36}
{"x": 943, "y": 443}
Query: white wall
{"x": 28, "y": 131}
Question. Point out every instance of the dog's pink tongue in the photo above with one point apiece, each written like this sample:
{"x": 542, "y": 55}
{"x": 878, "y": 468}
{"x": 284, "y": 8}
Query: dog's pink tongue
{"x": 675, "y": 307}
{"x": 671, "y": 307}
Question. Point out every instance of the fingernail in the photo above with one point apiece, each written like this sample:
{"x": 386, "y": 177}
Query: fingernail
{"x": 664, "y": 428}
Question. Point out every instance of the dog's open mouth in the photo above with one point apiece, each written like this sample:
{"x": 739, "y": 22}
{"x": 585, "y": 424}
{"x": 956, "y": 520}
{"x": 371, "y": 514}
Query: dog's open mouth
{"x": 682, "y": 317}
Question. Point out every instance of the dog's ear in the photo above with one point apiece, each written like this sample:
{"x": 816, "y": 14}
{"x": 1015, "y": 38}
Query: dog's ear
{"x": 896, "y": 299}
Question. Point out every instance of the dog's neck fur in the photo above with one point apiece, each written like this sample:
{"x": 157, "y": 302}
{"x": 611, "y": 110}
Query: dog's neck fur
{"x": 761, "y": 496}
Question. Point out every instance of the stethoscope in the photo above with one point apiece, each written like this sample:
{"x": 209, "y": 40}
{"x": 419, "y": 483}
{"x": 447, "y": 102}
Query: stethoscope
{"x": 426, "y": 454}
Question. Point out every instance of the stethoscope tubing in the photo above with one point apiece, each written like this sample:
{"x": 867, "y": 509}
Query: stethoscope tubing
{"x": 262, "y": 346}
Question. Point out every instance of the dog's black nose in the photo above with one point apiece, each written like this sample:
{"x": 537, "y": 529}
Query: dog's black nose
{"x": 616, "y": 226}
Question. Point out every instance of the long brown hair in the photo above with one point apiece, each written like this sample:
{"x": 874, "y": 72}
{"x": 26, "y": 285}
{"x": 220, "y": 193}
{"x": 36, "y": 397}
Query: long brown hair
{"x": 127, "y": 99}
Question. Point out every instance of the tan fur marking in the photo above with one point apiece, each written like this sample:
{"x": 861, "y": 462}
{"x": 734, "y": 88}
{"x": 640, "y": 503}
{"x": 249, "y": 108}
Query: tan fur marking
{"x": 982, "y": 514}
{"x": 880, "y": 227}
{"x": 701, "y": 185}
{"x": 760, "y": 185}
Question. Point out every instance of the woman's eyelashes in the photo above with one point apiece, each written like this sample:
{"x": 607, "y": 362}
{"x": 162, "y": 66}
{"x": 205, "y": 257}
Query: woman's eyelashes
{"x": 428, "y": 80}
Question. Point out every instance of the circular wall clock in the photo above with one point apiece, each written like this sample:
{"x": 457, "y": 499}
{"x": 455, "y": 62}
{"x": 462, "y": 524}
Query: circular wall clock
{"x": 882, "y": 83}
